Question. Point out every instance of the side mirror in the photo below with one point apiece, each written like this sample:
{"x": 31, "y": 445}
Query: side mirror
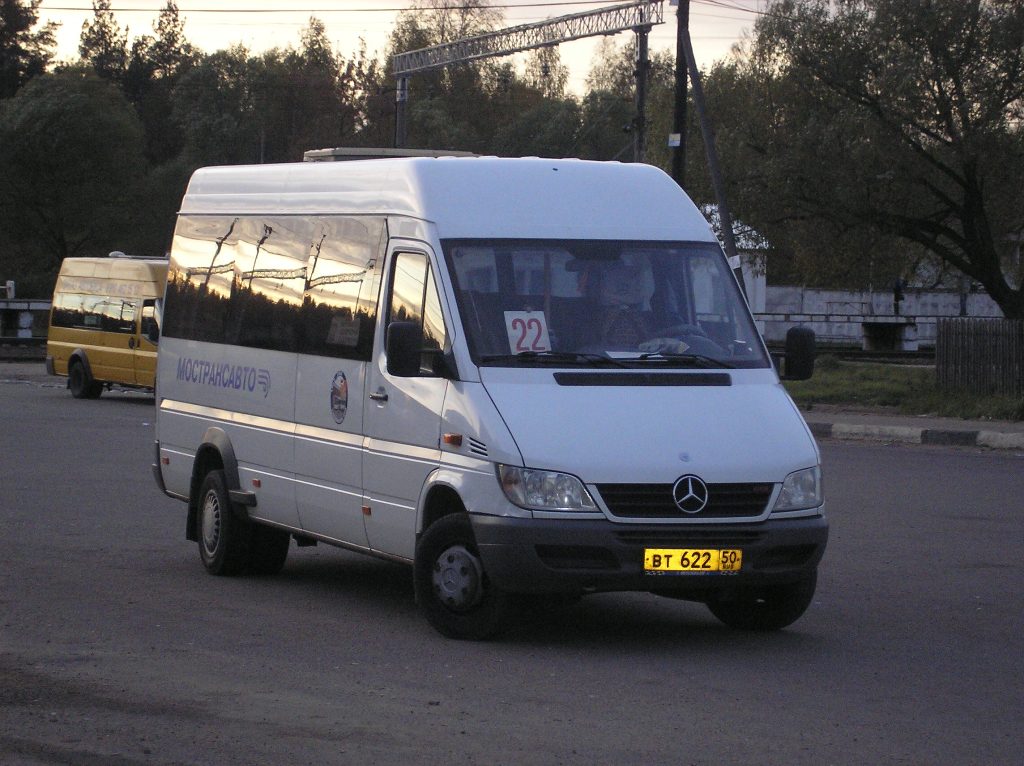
{"x": 403, "y": 345}
{"x": 153, "y": 333}
{"x": 800, "y": 352}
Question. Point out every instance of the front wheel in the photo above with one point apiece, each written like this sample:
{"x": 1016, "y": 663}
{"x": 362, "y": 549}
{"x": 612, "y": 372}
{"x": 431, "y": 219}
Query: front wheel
{"x": 224, "y": 537}
{"x": 452, "y": 588}
{"x": 772, "y": 607}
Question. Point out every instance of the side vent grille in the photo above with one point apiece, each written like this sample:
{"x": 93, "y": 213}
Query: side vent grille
{"x": 477, "y": 447}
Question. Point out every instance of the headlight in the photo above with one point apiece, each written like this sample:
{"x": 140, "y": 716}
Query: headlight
{"x": 801, "y": 490}
{"x": 544, "y": 490}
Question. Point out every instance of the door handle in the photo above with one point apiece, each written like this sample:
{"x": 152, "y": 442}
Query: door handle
{"x": 379, "y": 395}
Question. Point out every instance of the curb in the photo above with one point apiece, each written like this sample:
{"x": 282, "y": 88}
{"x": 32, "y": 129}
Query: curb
{"x": 910, "y": 435}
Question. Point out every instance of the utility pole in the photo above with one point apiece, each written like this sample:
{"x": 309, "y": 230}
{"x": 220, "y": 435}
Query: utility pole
{"x": 401, "y": 101}
{"x": 717, "y": 182}
{"x": 679, "y": 115}
{"x": 642, "y": 65}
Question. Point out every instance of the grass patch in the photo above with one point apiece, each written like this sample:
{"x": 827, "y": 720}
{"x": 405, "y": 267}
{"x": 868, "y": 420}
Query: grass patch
{"x": 911, "y": 390}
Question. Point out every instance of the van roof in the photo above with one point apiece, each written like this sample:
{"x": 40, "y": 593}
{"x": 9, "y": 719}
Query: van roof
{"x": 465, "y": 196}
{"x": 122, "y": 269}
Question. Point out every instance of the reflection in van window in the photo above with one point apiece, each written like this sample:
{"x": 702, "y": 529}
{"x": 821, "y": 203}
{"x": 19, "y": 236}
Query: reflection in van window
{"x": 641, "y": 301}
{"x": 414, "y": 298}
{"x": 94, "y": 312}
{"x": 269, "y": 277}
{"x": 199, "y": 279}
{"x": 287, "y": 283}
{"x": 341, "y": 289}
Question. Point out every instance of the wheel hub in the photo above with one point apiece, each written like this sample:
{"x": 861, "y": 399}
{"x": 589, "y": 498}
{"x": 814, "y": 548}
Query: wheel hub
{"x": 211, "y": 522}
{"x": 458, "y": 579}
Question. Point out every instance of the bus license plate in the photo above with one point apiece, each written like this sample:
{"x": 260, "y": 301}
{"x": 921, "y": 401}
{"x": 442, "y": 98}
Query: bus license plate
{"x": 691, "y": 560}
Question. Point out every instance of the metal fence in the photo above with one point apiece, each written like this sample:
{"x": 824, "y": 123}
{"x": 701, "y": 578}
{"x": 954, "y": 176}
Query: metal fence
{"x": 983, "y": 356}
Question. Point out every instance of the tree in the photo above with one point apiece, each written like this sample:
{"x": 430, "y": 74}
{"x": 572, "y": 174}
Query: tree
{"x": 895, "y": 119}
{"x": 168, "y": 51}
{"x": 547, "y": 130}
{"x": 155, "y": 66}
{"x": 147, "y": 69}
{"x": 455, "y": 107}
{"x": 546, "y": 73}
{"x": 103, "y": 44}
{"x": 24, "y": 53}
{"x": 213, "y": 103}
{"x": 325, "y": 108}
{"x": 71, "y": 149}
{"x": 609, "y": 107}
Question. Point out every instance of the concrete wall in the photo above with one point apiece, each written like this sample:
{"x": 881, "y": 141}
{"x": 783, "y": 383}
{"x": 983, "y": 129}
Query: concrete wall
{"x": 780, "y": 299}
{"x": 863, "y": 319}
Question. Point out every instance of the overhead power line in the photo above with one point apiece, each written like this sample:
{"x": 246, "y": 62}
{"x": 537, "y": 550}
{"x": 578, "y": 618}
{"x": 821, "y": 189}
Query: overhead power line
{"x": 377, "y": 9}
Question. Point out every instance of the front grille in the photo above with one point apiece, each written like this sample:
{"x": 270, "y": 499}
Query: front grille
{"x": 654, "y": 501}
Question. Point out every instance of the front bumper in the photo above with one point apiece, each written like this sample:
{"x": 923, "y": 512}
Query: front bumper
{"x": 580, "y": 556}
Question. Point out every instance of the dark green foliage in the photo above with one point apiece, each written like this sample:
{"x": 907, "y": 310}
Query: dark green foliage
{"x": 24, "y": 53}
{"x": 867, "y": 134}
{"x": 72, "y": 151}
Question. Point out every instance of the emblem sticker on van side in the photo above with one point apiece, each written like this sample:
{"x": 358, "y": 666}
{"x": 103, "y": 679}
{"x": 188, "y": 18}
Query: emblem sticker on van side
{"x": 224, "y": 375}
{"x": 339, "y": 397}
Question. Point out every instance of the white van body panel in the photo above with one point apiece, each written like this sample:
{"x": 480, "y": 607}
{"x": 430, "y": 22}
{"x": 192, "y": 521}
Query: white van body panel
{"x": 654, "y": 434}
{"x": 465, "y": 197}
{"x": 248, "y": 394}
{"x": 329, "y": 454}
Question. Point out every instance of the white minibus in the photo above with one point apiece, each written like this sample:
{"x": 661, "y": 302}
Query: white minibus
{"x": 526, "y": 378}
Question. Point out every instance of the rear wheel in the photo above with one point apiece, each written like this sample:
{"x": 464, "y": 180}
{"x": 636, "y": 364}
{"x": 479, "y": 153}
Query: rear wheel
{"x": 80, "y": 382}
{"x": 224, "y": 537}
{"x": 452, "y": 588}
{"x": 771, "y": 607}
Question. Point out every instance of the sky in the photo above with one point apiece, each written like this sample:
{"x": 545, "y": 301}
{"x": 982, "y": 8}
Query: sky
{"x": 263, "y": 24}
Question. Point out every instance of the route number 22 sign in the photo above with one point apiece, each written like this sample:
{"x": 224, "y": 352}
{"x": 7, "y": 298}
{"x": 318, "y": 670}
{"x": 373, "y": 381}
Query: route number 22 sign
{"x": 527, "y": 331}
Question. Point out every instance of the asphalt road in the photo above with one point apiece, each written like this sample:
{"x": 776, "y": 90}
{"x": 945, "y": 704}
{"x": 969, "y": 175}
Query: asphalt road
{"x": 116, "y": 649}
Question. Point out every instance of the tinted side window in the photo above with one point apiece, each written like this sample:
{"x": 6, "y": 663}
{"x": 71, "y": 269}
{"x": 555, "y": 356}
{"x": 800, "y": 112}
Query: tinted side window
{"x": 94, "y": 312}
{"x": 414, "y": 298}
{"x": 340, "y": 307}
{"x": 116, "y": 314}
{"x": 266, "y": 290}
{"x": 68, "y": 311}
{"x": 200, "y": 277}
{"x": 286, "y": 283}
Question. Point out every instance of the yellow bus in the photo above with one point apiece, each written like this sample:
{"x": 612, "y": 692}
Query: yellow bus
{"x": 104, "y": 323}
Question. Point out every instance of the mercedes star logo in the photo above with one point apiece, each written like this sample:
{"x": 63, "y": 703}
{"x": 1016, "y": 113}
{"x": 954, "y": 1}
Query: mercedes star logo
{"x": 690, "y": 494}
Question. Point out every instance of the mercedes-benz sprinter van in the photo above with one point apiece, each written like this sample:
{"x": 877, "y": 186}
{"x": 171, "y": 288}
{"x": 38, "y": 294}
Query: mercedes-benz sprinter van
{"x": 523, "y": 377}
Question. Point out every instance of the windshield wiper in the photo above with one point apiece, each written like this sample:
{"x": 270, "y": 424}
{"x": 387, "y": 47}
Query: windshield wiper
{"x": 690, "y": 360}
{"x": 577, "y": 357}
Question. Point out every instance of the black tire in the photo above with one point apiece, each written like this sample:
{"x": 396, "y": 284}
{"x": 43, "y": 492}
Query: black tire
{"x": 268, "y": 549}
{"x": 80, "y": 382}
{"x": 452, "y": 589}
{"x": 224, "y": 537}
{"x": 772, "y": 607}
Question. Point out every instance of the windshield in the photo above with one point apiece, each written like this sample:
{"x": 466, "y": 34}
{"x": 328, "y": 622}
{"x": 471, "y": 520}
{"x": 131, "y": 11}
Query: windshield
{"x": 601, "y": 303}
